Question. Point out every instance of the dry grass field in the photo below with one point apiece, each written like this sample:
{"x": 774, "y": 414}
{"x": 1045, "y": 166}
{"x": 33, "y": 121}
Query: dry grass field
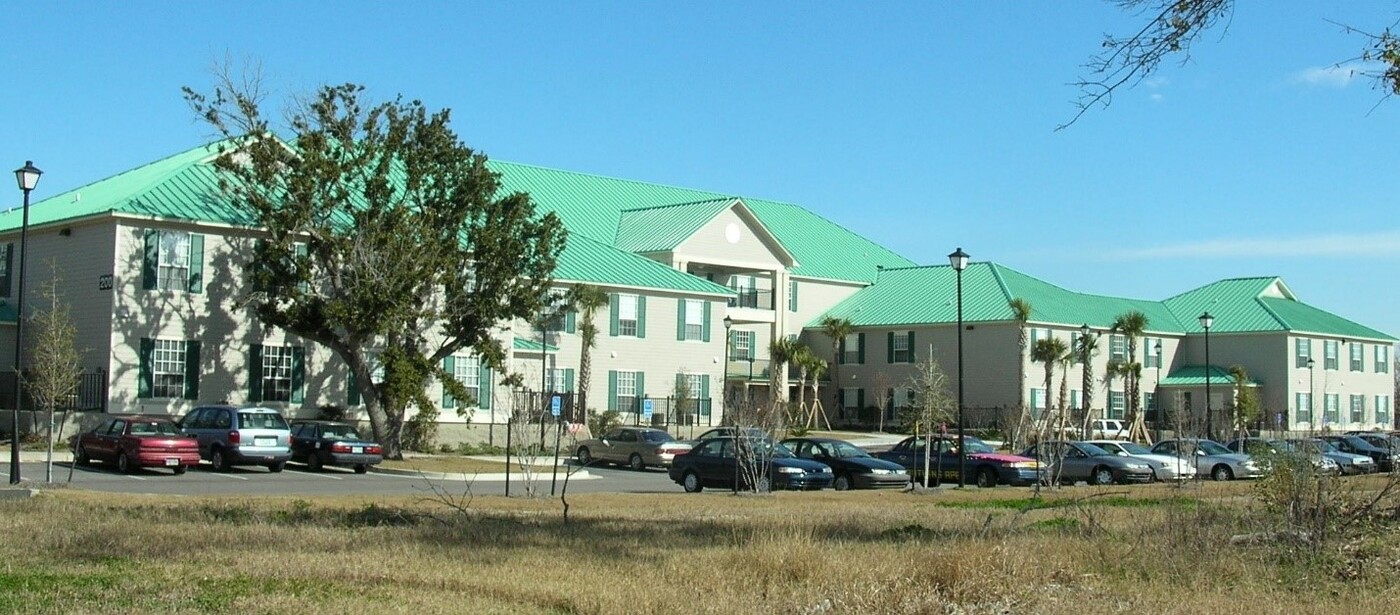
{"x": 1153, "y": 549}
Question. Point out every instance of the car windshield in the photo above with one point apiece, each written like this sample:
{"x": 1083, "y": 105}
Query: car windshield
{"x": 1211, "y": 447}
{"x": 1325, "y": 446}
{"x": 1134, "y": 448}
{"x": 339, "y": 432}
{"x": 657, "y": 437}
{"x": 978, "y": 446}
{"x": 1091, "y": 450}
{"x": 847, "y": 450}
{"x": 154, "y": 428}
{"x": 1357, "y": 442}
{"x": 261, "y": 420}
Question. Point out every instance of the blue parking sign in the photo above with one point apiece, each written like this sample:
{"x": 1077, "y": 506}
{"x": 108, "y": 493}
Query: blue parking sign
{"x": 555, "y": 403}
{"x": 646, "y": 409}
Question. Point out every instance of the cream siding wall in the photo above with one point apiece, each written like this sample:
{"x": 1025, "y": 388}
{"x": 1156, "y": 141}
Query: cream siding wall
{"x": 710, "y": 244}
{"x": 814, "y": 298}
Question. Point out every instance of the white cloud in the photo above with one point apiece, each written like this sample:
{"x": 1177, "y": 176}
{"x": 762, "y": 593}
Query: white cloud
{"x": 1156, "y": 82}
{"x": 1335, "y": 76}
{"x": 1382, "y": 244}
{"x": 1155, "y": 97}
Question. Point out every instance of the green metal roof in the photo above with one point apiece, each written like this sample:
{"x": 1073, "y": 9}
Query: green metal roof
{"x": 657, "y": 229}
{"x": 529, "y": 345}
{"x": 927, "y": 295}
{"x": 1195, "y": 376}
{"x": 586, "y": 260}
{"x": 592, "y": 205}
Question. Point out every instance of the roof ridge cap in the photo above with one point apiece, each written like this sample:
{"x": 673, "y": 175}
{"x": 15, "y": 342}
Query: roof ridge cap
{"x": 1273, "y": 314}
{"x": 186, "y": 152}
{"x": 608, "y": 177}
{"x": 726, "y": 199}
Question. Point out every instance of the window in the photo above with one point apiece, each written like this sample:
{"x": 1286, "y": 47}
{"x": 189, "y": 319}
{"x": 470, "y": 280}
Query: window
{"x": 852, "y": 398}
{"x": 1382, "y": 358}
{"x": 1330, "y": 354}
{"x": 173, "y": 261}
{"x": 1358, "y": 408}
{"x": 741, "y": 348}
{"x": 1152, "y": 352}
{"x": 556, "y": 382}
{"x": 792, "y": 295}
{"x": 694, "y": 319}
{"x": 1302, "y": 407}
{"x": 277, "y": 373}
{"x": 1075, "y": 398}
{"x": 1117, "y": 348}
{"x": 168, "y": 369}
{"x": 627, "y": 315}
{"x": 1302, "y": 351}
{"x": 1149, "y": 406}
{"x": 627, "y": 393}
{"x": 467, "y": 370}
{"x": 853, "y": 350}
{"x": 6, "y": 262}
{"x": 1116, "y": 402}
{"x": 1331, "y": 403}
{"x": 1358, "y": 356}
{"x": 1383, "y": 410}
{"x": 903, "y": 397}
{"x": 1040, "y": 333}
{"x": 1039, "y": 401}
{"x": 901, "y": 347}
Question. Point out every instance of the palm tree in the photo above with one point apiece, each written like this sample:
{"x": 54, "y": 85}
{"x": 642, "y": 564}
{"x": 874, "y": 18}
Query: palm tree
{"x": 1132, "y": 324}
{"x": 781, "y": 352}
{"x": 1021, "y": 312}
{"x": 1066, "y": 360}
{"x": 1049, "y": 351}
{"x": 1087, "y": 347}
{"x": 586, "y": 300}
{"x": 837, "y": 329}
{"x": 801, "y": 359}
{"x": 813, "y": 366}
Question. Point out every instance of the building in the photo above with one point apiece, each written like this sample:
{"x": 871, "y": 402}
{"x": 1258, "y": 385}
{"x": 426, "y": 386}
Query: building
{"x": 150, "y": 262}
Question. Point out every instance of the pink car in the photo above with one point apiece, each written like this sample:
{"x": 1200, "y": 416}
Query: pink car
{"x": 135, "y": 441}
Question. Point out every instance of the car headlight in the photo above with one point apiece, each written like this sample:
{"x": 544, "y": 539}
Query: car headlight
{"x": 1025, "y": 464}
{"x": 883, "y": 471}
{"x": 789, "y": 470}
{"x": 1137, "y": 466}
{"x": 1251, "y": 464}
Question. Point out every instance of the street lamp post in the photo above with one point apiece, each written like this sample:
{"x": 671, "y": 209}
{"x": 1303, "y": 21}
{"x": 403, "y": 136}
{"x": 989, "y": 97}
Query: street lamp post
{"x": 724, "y": 392}
{"x": 1206, "y": 321}
{"x": 959, "y": 261}
{"x": 1157, "y": 395}
{"x": 1312, "y": 418}
{"x": 27, "y": 176}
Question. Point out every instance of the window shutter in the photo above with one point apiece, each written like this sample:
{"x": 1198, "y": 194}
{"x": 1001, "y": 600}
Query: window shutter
{"x": 889, "y": 347}
{"x": 483, "y": 384}
{"x": 151, "y": 260}
{"x": 641, "y": 392}
{"x": 680, "y": 382}
{"x": 704, "y": 387}
{"x": 860, "y": 399}
{"x": 680, "y": 318}
{"x": 352, "y": 396}
{"x": 570, "y": 324}
{"x": 641, "y": 316}
{"x": 145, "y": 373}
{"x": 860, "y": 348}
{"x": 612, "y": 390}
{"x": 192, "y": 369}
{"x": 449, "y": 365}
{"x": 792, "y": 295}
{"x": 752, "y": 342}
{"x": 196, "y": 263}
{"x": 301, "y": 252}
{"x": 9, "y": 266}
{"x": 612, "y": 312}
{"x": 705, "y": 323}
{"x": 298, "y": 374}
{"x": 841, "y": 351}
{"x": 910, "y": 358}
{"x": 569, "y": 379}
{"x": 255, "y": 373}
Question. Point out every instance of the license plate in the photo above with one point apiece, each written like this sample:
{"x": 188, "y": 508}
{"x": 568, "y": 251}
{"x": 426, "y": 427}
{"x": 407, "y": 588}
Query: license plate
{"x": 172, "y": 461}
{"x": 357, "y": 449}
{"x": 265, "y": 441}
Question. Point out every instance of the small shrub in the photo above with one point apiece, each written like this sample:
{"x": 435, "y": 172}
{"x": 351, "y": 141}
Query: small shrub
{"x": 421, "y": 432}
{"x": 331, "y": 412}
{"x": 603, "y": 422}
{"x": 468, "y": 448}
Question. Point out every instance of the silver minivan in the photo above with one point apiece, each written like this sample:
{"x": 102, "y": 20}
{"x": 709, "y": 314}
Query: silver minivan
{"x": 230, "y": 436}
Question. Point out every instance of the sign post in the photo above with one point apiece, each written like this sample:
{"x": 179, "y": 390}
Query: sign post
{"x": 647, "y": 410}
{"x": 556, "y": 402}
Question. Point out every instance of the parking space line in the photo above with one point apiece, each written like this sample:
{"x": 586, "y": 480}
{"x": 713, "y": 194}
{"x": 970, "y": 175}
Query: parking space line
{"x": 133, "y": 477}
{"x": 226, "y": 475}
{"x": 316, "y": 474}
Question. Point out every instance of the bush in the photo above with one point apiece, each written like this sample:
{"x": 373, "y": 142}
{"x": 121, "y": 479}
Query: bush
{"x": 420, "y": 433}
{"x": 331, "y": 412}
{"x": 467, "y": 448}
{"x": 600, "y": 423}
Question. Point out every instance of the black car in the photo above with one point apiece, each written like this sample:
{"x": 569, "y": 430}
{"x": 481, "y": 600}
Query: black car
{"x": 984, "y": 466}
{"x": 854, "y": 468}
{"x": 1378, "y": 440}
{"x": 330, "y": 443}
{"x": 1357, "y": 445}
{"x": 768, "y": 466}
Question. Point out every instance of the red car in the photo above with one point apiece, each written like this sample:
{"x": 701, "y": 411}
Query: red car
{"x": 133, "y": 442}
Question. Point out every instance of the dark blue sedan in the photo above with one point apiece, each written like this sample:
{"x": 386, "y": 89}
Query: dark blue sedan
{"x": 331, "y": 443}
{"x": 854, "y": 468}
{"x": 765, "y": 466}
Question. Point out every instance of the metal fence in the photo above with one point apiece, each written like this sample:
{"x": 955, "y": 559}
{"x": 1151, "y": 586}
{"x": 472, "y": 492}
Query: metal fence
{"x": 666, "y": 412}
{"x": 91, "y": 394}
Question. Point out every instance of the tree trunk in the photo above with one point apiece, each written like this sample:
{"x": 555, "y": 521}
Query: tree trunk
{"x": 585, "y": 377}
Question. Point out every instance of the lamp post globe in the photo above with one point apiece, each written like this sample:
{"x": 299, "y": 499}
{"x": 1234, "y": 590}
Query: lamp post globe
{"x": 958, "y": 260}
{"x": 27, "y": 177}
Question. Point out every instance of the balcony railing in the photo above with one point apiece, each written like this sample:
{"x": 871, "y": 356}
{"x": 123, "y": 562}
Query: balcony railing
{"x": 745, "y": 369}
{"x": 755, "y": 298}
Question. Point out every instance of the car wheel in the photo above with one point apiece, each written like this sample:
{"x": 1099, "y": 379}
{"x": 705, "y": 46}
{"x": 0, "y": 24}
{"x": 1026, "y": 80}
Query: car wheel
{"x": 691, "y": 482}
{"x": 635, "y": 462}
{"x": 1101, "y": 476}
{"x": 123, "y": 464}
{"x": 314, "y": 463}
{"x": 180, "y": 470}
{"x": 986, "y": 478}
{"x": 584, "y": 456}
{"x": 764, "y": 485}
{"x": 361, "y": 468}
{"x": 81, "y": 457}
{"x": 276, "y": 467}
{"x": 1221, "y": 472}
{"x": 842, "y": 483}
{"x": 219, "y": 460}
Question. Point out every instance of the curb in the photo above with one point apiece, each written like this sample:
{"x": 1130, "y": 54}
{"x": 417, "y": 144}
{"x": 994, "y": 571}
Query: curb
{"x": 17, "y": 494}
{"x": 485, "y": 477}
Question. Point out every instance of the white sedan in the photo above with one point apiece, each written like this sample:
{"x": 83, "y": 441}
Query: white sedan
{"x": 1164, "y": 467}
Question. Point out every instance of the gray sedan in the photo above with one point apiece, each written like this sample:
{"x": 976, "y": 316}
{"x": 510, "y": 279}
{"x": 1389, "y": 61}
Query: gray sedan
{"x": 1212, "y": 458}
{"x": 1070, "y": 462}
{"x": 637, "y": 447}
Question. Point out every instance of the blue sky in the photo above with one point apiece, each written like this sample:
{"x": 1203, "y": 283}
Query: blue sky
{"x": 924, "y": 126}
